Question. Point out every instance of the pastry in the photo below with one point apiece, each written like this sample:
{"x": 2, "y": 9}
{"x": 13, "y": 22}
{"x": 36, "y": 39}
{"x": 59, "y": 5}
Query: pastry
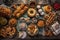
{"x": 40, "y": 23}
{"x": 32, "y": 4}
{"x": 7, "y": 31}
{"x": 32, "y": 29}
{"x": 12, "y": 21}
{"x": 48, "y": 33}
{"x": 5, "y": 11}
{"x": 51, "y": 18}
{"x": 3, "y": 21}
{"x": 55, "y": 28}
{"x": 47, "y": 8}
{"x": 31, "y": 12}
{"x": 20, "y": 10}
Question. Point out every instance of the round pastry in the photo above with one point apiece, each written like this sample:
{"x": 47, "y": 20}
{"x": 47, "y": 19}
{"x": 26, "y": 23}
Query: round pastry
{"x": 32, "y": 29}
{"x": 12, "y": 21}
{"x": 32, "y": 4}
{"x": 40, "y": 23}
{"x": 31, "y": 12}
{"x": 47, "y": 8}
{"x": 3, "y": 21}
{"x": 38, "y": 6}
{"x": 7, "y": 31}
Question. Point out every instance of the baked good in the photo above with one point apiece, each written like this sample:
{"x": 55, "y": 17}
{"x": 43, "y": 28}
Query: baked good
{"x": 32, "y": 4}
{"x": 48, "y": 33}
{"x": 47, "y": 8}
{"x": 7, "y": 31}
{"x": 5, "y": 11}
{"x": 31, "y": 12}
{"x": 40, "y": 23}
{"x": 3, "y": 21}
{"x": 18, "y": 9}
{"x": 51, "y": 18}
{"x": 32, "y": 29}
{"x": 12, "y": 21}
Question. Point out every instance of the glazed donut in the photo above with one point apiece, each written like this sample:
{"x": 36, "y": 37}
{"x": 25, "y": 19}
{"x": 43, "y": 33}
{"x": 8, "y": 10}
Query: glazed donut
{"x": 31, "y": 12}
{"x": 47, "y": 8}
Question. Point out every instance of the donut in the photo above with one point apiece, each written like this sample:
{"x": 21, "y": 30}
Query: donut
{"x": 47, "y": 8}
{"x": 40, "y": 23}
{"x": 31, "y": 12}
{"x": 12, "y": 21}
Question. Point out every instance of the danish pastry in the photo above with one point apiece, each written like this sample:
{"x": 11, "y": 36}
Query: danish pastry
{"x": 47, "y": 8}
{"x": 32, "y": 29}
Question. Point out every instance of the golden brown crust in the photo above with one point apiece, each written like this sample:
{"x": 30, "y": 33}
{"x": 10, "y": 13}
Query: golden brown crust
{"x": 31, "y": 12}
{"x": 7, "y": 31}
{"x": 47, "y": 8}
{"x": 32, "y": 29}
{"x": 20, "y": 10}
{"x": 5, "y": 11}
{"x": 50, "y": 19}
{"x": 12, "y": 21}
{"x": 40, "y": 23}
